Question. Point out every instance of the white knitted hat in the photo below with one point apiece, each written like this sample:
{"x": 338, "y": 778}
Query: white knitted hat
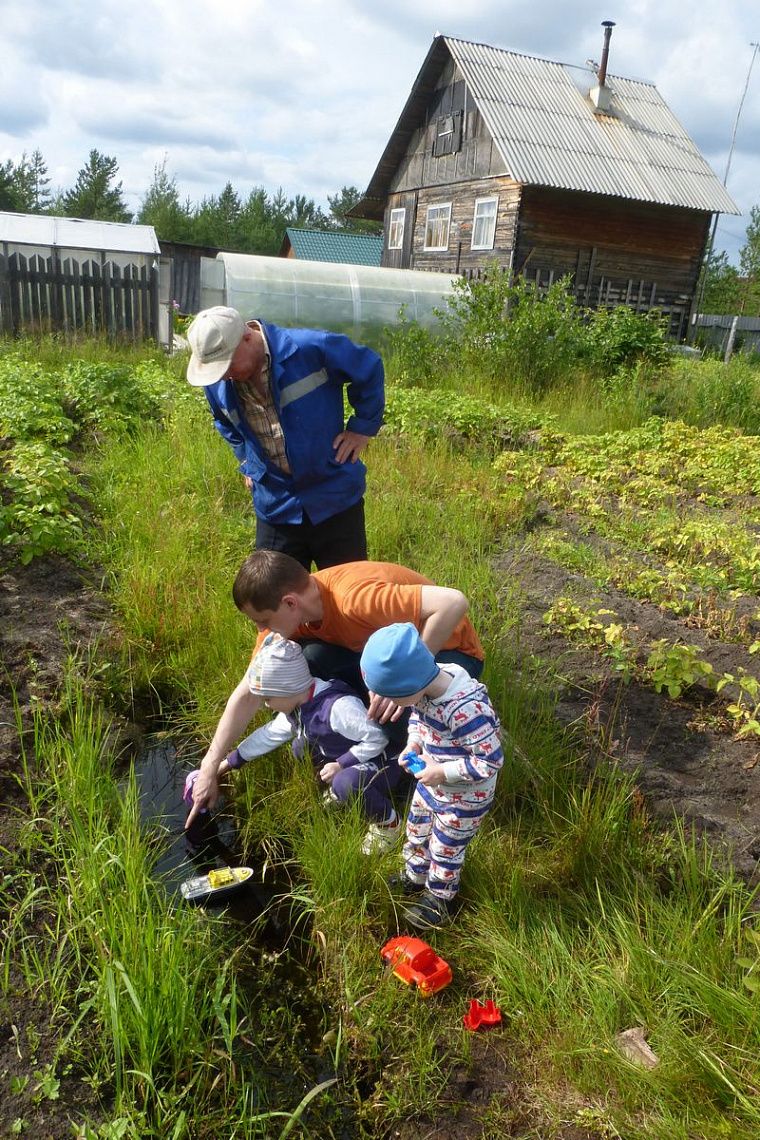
{"x": 279, "y": 669}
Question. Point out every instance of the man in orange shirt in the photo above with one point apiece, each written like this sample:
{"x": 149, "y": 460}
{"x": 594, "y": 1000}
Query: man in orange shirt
{"x": 332, "y": 613}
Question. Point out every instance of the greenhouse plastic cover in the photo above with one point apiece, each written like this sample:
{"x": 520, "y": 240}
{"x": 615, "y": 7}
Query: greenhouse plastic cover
{"x": 320, "y": 294}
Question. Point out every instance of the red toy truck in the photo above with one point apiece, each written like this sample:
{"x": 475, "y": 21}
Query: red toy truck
{"x": 416, "y": 963}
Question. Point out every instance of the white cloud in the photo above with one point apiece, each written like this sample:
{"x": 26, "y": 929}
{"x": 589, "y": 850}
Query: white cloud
{"x": 304, "y": 95}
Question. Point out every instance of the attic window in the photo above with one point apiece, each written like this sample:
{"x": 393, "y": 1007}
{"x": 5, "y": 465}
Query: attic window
{"x": 448, "y": 134}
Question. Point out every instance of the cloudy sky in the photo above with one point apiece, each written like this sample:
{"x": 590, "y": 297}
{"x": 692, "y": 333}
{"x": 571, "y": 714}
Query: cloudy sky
{"x": 304, "y": 94}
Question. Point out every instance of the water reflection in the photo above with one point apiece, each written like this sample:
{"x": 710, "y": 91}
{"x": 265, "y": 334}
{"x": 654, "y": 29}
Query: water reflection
{"x": 160, "y": 774}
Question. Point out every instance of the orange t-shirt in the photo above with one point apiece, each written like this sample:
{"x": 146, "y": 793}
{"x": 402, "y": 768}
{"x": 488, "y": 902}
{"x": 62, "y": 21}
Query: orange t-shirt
{"x": 360, "y": 597}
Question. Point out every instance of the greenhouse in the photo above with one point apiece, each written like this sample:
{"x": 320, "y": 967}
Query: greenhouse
{"x": 354, "y": 299}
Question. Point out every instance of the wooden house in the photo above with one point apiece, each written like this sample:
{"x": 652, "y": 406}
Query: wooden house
{"x": 550, "y": 170}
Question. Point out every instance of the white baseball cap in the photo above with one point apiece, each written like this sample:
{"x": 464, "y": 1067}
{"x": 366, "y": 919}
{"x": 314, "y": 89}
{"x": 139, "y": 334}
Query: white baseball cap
{"x": 213, "y": 337}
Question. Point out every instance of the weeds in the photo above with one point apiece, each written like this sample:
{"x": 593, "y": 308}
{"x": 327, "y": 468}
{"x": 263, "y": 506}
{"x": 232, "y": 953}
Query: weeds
{"x": 580, "y": 919}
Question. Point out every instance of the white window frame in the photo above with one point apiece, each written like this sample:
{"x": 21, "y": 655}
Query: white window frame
{"x": 477, "y": 218}
{"x": 396, "y": 230}
{"x": 444, "y": 220}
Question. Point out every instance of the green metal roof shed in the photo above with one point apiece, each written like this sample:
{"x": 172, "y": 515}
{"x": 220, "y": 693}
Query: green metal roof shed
{"x": 332, "y": 245}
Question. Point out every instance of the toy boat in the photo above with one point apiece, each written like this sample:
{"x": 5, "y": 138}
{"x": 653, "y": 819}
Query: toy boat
{"x": 215, "y": 887}
{"x": 416, "y": 963}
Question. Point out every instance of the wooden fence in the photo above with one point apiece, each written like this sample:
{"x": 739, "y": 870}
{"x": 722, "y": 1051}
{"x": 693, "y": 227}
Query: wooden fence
{"x": 95, "y": 297}
{"x": 604, "y": 293}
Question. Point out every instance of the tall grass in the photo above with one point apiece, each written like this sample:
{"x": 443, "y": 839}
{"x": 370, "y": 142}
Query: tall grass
{"x": 580, "y": 919}
{"x": 144, "y": 994}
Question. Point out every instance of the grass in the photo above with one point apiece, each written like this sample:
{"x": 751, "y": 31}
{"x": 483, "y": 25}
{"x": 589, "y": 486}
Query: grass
{"x": 574, "y": 920}
{"x": 580, "y": 919}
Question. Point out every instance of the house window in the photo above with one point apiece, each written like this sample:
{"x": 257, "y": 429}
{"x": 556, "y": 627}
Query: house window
{"x": 396, "y": 229}
{"x": 484, "y": 223}
{"x": 437, "y": 227}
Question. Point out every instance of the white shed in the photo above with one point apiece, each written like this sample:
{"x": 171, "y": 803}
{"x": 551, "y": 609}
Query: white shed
{"x": 49, "y": 248}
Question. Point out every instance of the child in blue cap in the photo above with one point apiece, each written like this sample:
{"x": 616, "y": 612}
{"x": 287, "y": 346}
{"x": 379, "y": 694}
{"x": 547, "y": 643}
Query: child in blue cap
{"x": 454, "y": 729}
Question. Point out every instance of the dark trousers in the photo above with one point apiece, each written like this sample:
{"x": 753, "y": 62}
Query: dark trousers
{"x": 331, "y": 662}
{"x": 341, "y": 538}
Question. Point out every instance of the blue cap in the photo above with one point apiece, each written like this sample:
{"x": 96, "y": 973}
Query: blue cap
{"x": 396, "y": 662}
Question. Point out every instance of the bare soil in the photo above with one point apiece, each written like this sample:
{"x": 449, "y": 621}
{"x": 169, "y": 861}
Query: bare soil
{"x": 47, "y": 611}
{"x": 686, "y": 760}
{"x": 682, "y": 763}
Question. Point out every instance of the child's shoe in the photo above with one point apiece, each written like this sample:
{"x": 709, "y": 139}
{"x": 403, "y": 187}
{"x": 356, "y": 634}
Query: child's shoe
{"x": 399, "y": 881}
{"x": 429, "y": 911}
{"x": 381, "y": 837}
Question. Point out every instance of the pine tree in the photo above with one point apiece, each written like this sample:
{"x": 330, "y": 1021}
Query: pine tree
{"x": 256, "y": 228}
{"x": 94, "y": 195}
{"x": 9, "y": 194}
{"x": 40, "y": 183}
{"x": 161, "y": 208}
{"x": 22, "y": 184}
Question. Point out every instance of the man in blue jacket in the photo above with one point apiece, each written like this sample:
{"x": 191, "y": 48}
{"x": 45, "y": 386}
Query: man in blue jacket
{"x": 276, "y": 396}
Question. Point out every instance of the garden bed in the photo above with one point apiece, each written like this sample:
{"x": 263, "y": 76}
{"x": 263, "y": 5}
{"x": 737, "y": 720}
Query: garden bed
{"x": 687, "y": 761}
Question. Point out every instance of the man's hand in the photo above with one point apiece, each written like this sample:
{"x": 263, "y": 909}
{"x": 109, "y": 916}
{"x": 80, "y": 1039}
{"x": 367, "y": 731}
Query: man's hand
{"x": 383, "y": 709}
{"x": 205, "y": 794}
{"x": 349, "y": 445}
{"x": 329, "y": 771}
{"x": 248, "y": 482}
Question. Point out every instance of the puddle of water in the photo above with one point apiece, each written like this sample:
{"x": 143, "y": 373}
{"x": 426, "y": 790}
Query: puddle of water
{"x": 160, "y": 777}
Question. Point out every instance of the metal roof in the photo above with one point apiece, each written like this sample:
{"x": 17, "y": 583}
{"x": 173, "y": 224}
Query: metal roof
{"x": 549, "y": 132}
{"x": 77, "y": 233}
{"x": 335, "y": 245}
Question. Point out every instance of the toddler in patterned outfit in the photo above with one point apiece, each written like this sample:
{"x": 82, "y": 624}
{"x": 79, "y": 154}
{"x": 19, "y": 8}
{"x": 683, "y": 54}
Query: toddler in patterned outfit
{"x": 454, "y": 729}
{"x": 350, "y": 752}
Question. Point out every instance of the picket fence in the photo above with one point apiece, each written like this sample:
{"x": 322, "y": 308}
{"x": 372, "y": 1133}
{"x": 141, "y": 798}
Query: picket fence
{"x": 46, "y": 294}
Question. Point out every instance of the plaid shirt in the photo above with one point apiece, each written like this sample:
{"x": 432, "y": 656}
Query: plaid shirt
{"x": 261, "y": 414}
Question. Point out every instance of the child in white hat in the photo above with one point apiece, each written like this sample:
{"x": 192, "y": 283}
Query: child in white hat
{"x": 454, "y": 732}
{"x": 349, "y": 750}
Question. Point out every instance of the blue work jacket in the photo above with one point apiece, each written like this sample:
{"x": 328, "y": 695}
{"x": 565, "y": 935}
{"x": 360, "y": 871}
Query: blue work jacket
{"x": 309, "y": 370}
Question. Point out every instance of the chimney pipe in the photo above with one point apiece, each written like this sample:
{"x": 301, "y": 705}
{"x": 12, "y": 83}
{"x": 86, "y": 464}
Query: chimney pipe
{"x": 608, "y": 25}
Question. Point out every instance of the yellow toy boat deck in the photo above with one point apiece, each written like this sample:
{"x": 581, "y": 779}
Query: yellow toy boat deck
{"x": 217, "y": 886}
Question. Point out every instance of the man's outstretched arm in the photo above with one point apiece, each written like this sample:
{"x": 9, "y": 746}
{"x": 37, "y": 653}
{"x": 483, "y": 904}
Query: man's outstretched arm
{"x": 240, "y": 709}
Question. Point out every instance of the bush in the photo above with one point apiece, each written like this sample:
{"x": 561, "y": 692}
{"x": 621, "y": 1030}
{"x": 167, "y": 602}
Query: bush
{"x": 515, "y": 339}
{"x": 439, "y": 414}
{"x": 413, "y": 353}
{"x": 512, "y": 334}
{"x": 620, "y": 337}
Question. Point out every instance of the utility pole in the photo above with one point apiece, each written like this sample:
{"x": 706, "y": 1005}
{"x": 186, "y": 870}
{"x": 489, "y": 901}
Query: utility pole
{"x": 711, "y": 240}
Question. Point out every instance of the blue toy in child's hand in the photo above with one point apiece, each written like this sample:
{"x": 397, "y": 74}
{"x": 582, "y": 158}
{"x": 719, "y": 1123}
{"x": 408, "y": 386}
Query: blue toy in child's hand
{"x": 412, "y": 761}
